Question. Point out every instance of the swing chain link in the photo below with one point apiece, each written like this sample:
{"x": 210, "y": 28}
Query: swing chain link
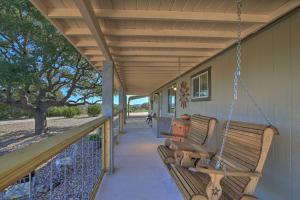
{"x": 237, "y": 75}
{"x": 239, "y": 49}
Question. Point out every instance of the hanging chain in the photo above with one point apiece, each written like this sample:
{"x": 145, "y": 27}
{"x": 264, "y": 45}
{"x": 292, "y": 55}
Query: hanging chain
{"x": 237, "y": 75}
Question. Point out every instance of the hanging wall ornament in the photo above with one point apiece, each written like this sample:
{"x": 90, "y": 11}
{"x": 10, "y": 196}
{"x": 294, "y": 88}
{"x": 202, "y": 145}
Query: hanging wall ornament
{"x": 183, "y": 94}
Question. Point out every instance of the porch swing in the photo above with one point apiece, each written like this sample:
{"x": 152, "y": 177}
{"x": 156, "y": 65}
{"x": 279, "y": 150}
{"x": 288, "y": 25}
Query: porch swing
{"x": 234, "y": 171}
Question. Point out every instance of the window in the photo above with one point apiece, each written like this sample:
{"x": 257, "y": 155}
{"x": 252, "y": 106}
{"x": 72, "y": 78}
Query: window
{"x": 172, "y": 99}
{"x": 201, "y": 89}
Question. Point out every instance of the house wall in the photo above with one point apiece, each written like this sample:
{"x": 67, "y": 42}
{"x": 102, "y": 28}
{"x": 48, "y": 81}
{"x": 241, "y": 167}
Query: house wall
{"x": 271, "y": 71}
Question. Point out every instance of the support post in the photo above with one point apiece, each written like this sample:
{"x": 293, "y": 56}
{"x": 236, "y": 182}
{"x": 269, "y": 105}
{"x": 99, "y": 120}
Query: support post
{"x": 128, "y": 104}
{"x": 122, "y": 109}
{"x": 106, "y": 144}
{"x": 125, "y": 108}
{"x": 107, "y": 107}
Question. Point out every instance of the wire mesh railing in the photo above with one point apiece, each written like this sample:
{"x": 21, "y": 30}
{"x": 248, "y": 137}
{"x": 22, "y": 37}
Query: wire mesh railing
{"x": 66, "y": 166}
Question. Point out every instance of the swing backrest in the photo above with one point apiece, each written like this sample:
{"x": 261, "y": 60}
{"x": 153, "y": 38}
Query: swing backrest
{"x": 201, "y": 128}
{"x": 246, "y": 149}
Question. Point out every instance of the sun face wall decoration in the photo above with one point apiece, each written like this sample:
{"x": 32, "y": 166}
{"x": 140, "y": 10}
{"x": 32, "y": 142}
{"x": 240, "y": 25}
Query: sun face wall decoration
{"x": 184, "y": 94}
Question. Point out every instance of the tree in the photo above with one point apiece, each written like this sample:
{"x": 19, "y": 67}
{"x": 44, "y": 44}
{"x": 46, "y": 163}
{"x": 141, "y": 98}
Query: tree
{"x": 38, "y": 67}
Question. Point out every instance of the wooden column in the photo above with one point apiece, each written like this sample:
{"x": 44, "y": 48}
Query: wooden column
{"x": 107, "y": 107}
{"x": 122, "y": 108}
{"x": 106, "y": 146}
{"x": 125, "y": 108}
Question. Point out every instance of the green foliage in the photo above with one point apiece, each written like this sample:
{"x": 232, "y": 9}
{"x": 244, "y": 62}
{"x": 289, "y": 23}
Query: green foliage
{"x": 95, "y": 137}
{"x": 94, "y": 110}
{"x": 55, "y": 112}
{"x": 77, "y": 110}
{"x": 9, "y": 112}
{"x": 69, "y": 112}
{"x": 139, "y": 108}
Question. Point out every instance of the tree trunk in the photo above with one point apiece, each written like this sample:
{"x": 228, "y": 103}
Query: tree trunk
{"x": 40, "y": 121}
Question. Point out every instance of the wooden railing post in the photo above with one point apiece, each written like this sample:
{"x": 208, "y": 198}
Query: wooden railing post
{"x": 106, "y": 146}
{"x": 121, "y": 121}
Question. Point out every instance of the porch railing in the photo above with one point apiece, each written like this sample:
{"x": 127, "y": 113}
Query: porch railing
{"x": 64, "y": 166}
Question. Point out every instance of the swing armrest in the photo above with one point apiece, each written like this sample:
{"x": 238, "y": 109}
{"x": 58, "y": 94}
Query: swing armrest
{"x": 167, "y": 134}
{"x": 189, "y": 146}
{"x": 195, "y": 154}
{"x": 214, "y": 188}
{"x": 212, "y": 171}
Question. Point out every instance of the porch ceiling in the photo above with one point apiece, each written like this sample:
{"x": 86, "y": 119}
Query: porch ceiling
{"x": 153, "y": 41}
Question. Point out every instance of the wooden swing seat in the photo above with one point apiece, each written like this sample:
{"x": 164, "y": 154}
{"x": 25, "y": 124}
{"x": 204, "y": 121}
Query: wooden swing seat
{"x": 199, "y": 134}
{"x": 245, "y": 152}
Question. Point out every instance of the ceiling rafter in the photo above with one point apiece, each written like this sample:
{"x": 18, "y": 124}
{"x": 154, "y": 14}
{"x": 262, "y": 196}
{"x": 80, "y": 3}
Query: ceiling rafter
{"x": 155, "y": 64}
{"x": 175, "y": 44}
{"x": 155, "y": 33}
{"x": 160, "y": 59}
{"x": 86, "y": 10}
{"x": 89, "y": 17}
{"x": 159, "y": 15}
{"x": 163, "y": 53}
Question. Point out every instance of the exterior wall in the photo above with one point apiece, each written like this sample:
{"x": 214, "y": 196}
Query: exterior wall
{"x": 271, "y": 71}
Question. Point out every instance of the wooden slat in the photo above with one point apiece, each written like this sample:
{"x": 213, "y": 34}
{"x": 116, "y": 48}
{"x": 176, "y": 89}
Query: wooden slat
{"x": 159, "y": 15}
{"x": 154, "y": 33}
{"x": 163, "y": 53}
{"x": 181, "y": 45}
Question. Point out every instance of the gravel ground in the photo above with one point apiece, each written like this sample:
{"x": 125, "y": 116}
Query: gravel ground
{"x": 17, "y": 134}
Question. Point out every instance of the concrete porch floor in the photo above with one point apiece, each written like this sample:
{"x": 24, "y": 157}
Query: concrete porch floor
{"x": 139, "y": 172}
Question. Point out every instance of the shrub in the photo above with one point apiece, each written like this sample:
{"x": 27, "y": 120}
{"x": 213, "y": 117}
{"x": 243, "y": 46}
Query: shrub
{"x": 95, "y": 137}
{"x": 77, "y": 110}
{"x": 9, "y": 112}
{"x": 94, "y": 110}
{"x": 69, "y": 112}
{"x": 55, "y": 112}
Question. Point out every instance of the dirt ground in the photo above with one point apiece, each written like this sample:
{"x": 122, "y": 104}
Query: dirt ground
{"x": 16, "y": 134}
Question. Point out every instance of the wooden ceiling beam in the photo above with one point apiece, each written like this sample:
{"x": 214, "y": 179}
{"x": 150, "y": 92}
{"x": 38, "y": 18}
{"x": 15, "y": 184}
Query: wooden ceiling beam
{"x": 86, "y": 43}
{"x": 56, "y": 23}
{"x": 96, "y": 63}
{"x": 163, "y": 53}
{"x": 154, "y": 33}
{"x": 153, "y": 69}
{"x": 188, "y": 45}
{"x": 159, "y": 15}
{"x": 91, "y": 21}
{"x": 132, "y": 44}
{"x": 166, "y": 59}
{"x": 154, "y": 64}
{"x": 96, "y": 58}
{"x": 87, "y": 12}
{"x": 93, "y": 52}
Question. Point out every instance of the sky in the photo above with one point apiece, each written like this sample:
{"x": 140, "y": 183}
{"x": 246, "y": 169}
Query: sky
{"x": 116, "y": 99}
{"x": 132, "y": 102}
{"x": 139, "y": 101}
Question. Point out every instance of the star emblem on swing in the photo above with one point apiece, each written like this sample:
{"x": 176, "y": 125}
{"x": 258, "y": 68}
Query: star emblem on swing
{"x": 215, "y": 191}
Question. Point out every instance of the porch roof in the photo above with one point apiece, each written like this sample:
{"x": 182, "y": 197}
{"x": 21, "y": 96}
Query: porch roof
{"x": 151, "y": 42}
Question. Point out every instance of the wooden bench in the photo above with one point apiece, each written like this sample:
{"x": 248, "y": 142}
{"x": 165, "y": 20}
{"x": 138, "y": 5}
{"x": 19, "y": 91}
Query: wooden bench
{"x": 244, "y": 156}
{"x": 200, "y": 132}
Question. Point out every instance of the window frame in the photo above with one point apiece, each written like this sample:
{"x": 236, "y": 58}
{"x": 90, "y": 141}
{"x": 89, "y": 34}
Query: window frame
{"x": 169, "y": 105}
{"x": 198, "y": 75}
